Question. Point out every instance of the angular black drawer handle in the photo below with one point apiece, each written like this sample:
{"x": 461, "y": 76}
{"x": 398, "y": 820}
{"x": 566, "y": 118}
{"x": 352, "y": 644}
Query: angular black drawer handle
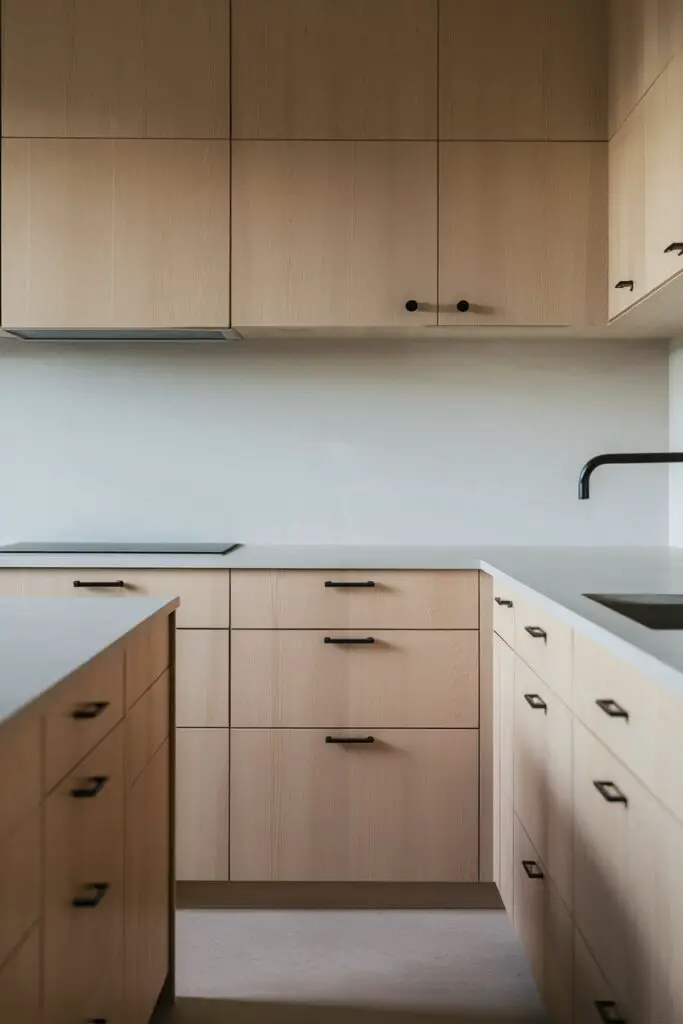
{"x": 626, "y": 284}
{"x": 675, "y": 247}
{"x": 95, "y": 785}
{"x": 349, "y": 739}
{"x": 100, "y": 890}
{"x": 118, "y": 584}
{"x": 350, "y": 583}
{"x": 536, "y": 702}
{"x": 503, "y": 602}
{"x": 536, "y": 632}
{"x": 609, "y": 1012}
{"x": 93, "y": 709}
{"x": 532, "y": 869}
{"x": 610, "y": 792}
{"x": 611, "y": 708}
{"x": 349, "y": 640}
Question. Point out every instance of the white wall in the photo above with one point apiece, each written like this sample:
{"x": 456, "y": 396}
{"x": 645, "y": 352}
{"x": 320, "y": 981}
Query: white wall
{"x": 676, "y": 433}
{"x": 355, "y": 442}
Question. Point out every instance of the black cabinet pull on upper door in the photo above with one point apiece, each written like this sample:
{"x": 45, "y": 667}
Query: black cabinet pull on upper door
{"x": 94, "y": 785}
{"x": 611, "y": 793}
{"x": 611, "y": 708}
{"x": 676, "y": 247}
{"x": 349, "y": 640}
{"x": 101, "y": 585}
{"x": 536, "y": 632}
{"x": 100, "y": 890}
{"x": 626, "y": 284}
{"x": 349, "y": 739}
{"x": 364, "y": 584}
{"x": 533, "y": 869}
{"x": 536, "y": 702}
{"x": 609, "y": 1012}
{"x": 93, "y": 709}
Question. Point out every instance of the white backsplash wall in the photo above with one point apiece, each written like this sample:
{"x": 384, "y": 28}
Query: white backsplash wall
{"x": 676, "y": 430}
{"x": 439, "y": 442}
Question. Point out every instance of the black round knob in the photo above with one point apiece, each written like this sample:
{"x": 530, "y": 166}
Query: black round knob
{"x": 463, "y": 306}
{"x": 412, "y": 306}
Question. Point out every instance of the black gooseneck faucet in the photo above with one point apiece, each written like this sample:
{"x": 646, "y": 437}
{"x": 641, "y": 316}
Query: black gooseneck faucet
{"x": 617, "y": 459}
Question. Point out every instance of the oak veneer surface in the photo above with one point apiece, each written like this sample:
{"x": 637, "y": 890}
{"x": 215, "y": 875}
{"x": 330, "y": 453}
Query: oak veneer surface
{"x": 203, "y": 677}
{"x": 20, "y": 882}
{"x": 627, "y": 191}
{"x": 20, "y": 983}
{"x": 202, "y": 805}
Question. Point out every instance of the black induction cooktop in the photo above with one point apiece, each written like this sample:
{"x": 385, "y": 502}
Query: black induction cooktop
{"x": 115, "y": 548}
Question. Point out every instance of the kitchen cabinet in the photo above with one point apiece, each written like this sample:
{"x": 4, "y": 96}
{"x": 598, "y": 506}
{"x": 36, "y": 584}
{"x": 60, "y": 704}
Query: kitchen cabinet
{"x": 20, "y": 983}
{"x": 503, "y": 766}
{"x": 594, "y": 1001}
{"x": 203, "y": 678}
{"x": 662, "y": 111}
{"x": 202, "y": 802}
{"x": 627, "y": 282}
{"x": 401, "y": 806}
{"x": 544, "y": 642}
{"x": 532, "y": 70}
{"x": 292, "y": 61}
{"x": 20, "y": 882}
{"x": 94, "y": 68}
{"x": 522, "y": 232}
{"x": 334, "y": 234}
{"x": 115, "y": 233}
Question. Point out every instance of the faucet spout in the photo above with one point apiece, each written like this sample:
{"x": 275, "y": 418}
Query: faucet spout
{"x": 611, "y": 459}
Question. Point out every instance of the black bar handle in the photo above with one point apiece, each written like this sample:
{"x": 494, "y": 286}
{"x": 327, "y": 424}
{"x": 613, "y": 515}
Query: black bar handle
{"x": 349, "y": 640}
{"x": 609, "y": 1012}
{"x": 536, "y": 702}
{"x": 611, "y": 708}
{"x": 100, "y": 890}
{"x": 364, "y": 584}
{"x": 93, "y": 709}
{"x": 95, "y": 784}
{"x": 95, "y": 585}
{"x": 532, "y": 869}
{"x": 611, "y": 793}
{"x": 536, "y": 632}
{"x": 626, "y": 284}
{"x": 349, "y": 739}
{"x": 676, "y": 247}
{"x": 503, "y": 602}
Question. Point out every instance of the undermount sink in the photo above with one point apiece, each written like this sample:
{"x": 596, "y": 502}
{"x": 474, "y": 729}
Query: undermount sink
{"x": 656, "y": 611}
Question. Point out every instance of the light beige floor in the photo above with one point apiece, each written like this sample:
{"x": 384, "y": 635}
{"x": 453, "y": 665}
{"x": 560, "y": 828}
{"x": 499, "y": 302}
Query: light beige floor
{"x": 343, "y": 966}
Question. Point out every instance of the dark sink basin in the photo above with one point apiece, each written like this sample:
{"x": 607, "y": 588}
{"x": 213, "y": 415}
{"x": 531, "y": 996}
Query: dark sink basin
{"x": 656, "y": 611}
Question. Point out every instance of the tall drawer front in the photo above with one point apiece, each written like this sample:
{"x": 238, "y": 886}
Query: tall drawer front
{"x": 20, "y": 884}
{"x": 96, "y": 692}
{"x": 504, "y": 601}
{"x": 148, "y": 655}
{"x": 147, "y": 726}
{"x": 545, "y": 643}
{"x": 341, "y": 599}
{"x": 401, "y": 679}
{"x": 20, "y": 761}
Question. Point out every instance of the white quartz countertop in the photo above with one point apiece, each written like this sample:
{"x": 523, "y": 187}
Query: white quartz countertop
{"x": 44, "y": 640}
{"x": 560, "y": 576}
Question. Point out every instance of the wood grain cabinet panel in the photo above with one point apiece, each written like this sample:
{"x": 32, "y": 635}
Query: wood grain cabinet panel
{"x": 522, "y": 233}
{"x": 147, "y": 727}
{"x": 357, "y": 222}
{"x": 403, "y": 808}
{"x": 20, "y": 883}
{"x": 115, "y": 234}
{"x": 591, "y": 990}
{"x": 202, "y": 801}
{"x": 20, "y": 981}
{"x": 532, "y": 69}
{"x": 504, "y": 612}
{"x": 203, "y": 678}
{"x": 544, "y": 642}
{"x": 627, "y": 190}
{"x": 21, "y": 761}
{"x": 320, "y": 69}
{"x": 129, "y": 69}
{"x": 663, "y": 117}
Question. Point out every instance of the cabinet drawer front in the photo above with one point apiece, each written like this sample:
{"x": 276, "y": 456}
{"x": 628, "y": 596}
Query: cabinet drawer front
{"x": 529, "y": 883}
{"x": 403, "y": 808}
{"x": 148, "y": 655}
{"x": 591, "y": 991}
{"x": 20, "y": 885}
{"x": 204, "y": 594}
{"x": 20, "y": 762}
{"x": 81, "y": 712}
{"x": 20, "y": 983}
{"x": 545, "y": 643}
{"x": 343, "y": 599}
{"x": 504, "y": 601}
{"x": 402, "y": 679}
{"x": 147, "y": 726}
{"x": 84, "y": 848}
{"x": 203, "y": 677}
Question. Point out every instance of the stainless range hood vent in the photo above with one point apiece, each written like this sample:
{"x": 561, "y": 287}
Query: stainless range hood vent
{"x": 183, "y": 334}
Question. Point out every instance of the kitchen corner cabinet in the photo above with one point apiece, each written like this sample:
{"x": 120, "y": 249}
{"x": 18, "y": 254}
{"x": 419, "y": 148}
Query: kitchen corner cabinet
{"x": 627, "y": 281}
{"x": 123, "y": 69}
{"x": 522, "y": 233}
{"x": 357, "y": 223}
{"x": 115, "y": 233}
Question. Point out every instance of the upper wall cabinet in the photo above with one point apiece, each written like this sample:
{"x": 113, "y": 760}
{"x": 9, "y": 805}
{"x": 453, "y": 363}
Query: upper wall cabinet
{"x": 663, "y": 119}
{"x": 123, "y": 69}
{"x": 522, "y": 233}
{"x": 112, "y": 234}
{"x": 528, "y": 69}
{"x": 334, "y": 69}
{"x": 627, "y": 281}
{"x": 334, "y": 234}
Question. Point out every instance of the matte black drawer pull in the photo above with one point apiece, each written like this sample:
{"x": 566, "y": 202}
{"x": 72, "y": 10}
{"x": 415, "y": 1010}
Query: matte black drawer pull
{"x": 349, "y": 640}
{"x": 503, "y": 602}
{"x": 536, "y": 632}
{"x": 93, "y": 709}
{"x": 119, "y": 584}
{"x": 532, "y": 869}
{"x": 611, "y": 793}
{"x": 536, "y": 702}
{"x": 609, "y": 1012}
{"x": 100, "y": 890}
{"x": 350, "y": 583}
{"x": 349, "y": 739}
{"x": 611, "y": 708}
{"x": 95, "y": 785}
{"x": 625, "y": 284}
{"x": 675, "y": 247}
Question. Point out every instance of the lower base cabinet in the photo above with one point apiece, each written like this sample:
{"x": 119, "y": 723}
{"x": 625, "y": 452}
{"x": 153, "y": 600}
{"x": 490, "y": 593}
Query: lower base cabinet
{"x": 594, "y": 1001}
{"x": 386, "y": 805}
{"x": 202, "y": 800}
{"x": 20, "y": 983}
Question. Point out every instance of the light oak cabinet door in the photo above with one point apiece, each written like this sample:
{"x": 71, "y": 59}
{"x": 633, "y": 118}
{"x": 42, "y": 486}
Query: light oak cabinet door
{"x": 594, "y": 1002}
{"x": 531, "y": 69}
{"x": 202, "y": 801}
{"x": 403, "y": 808}
{"x": 20, "y": 983}
{"x": 663, "y": 116}
{"x": 203, "y": 678}
{"x": 503, "y": 711}
{"x": 115, "y": 234}
{"x": 320, "y": 69}
{"x": 627, "y": 175}
{"x": 93, "y": 68}
{"x": 20, "y": 882}
{"x": 666, "y": 933}
{"x": 522, "y": 234}
{"x": 357, "y": 222}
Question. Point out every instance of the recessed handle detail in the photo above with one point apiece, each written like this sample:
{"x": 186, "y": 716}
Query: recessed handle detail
{"x": 349, "y": 739}
{"x": 349, "y": 640}
{"x": 99, "y": 889}
{"x": 533, "y": 869}
{"x": 676, "y": 247}
{"x": 626, "y": 284}
{"x": 412, "y": 305}
{"x": 503, "y": 602}
{"x": 611, "y": 708}
{"x": 609, "y": 1012}
{"x": 536, "y": 632}
{"x": 536, "y": 702}
{"x": 93, "y": 709}
{"x": 610, "y": 792}
{"x": 94, "y": 785}
{"x": 102, "y": 585}
{"x": 364, "y": 584}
